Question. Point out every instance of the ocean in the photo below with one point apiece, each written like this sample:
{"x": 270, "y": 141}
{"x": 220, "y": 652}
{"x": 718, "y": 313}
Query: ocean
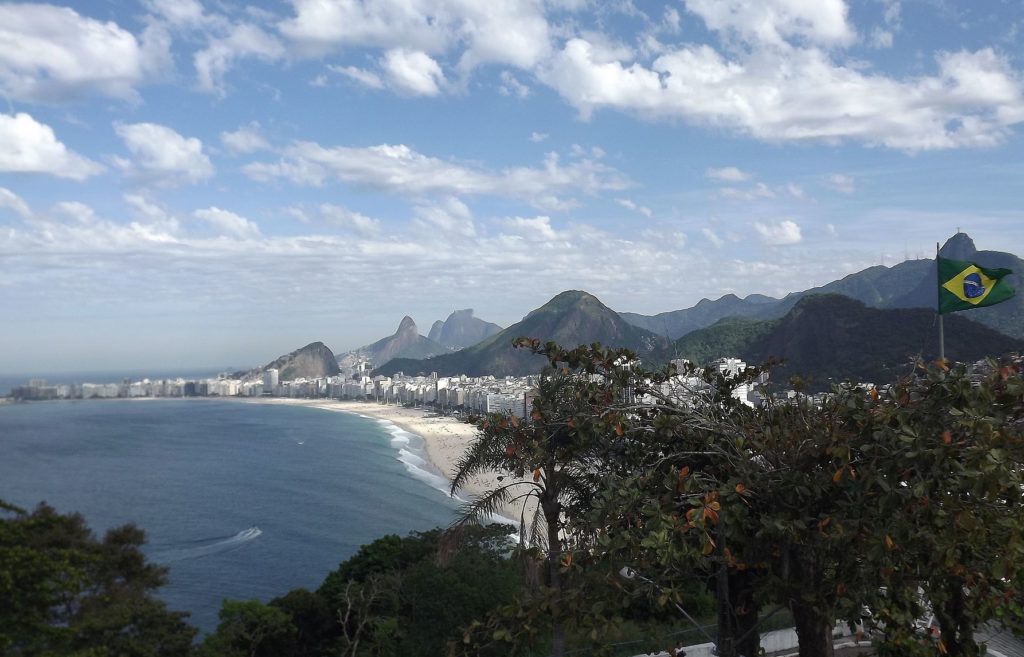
{"x": 240, "y": 500}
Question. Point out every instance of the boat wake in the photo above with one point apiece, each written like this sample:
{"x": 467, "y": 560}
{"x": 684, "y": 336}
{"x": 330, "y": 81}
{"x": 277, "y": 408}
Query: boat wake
{"x": 206, "y": 547}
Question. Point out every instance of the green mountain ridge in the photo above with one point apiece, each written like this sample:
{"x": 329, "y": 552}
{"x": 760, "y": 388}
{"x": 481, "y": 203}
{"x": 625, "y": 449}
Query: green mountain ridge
{"x": 831, "y": 337}
{"x": 570, "y": 318}
{"x": 909, "y": 284}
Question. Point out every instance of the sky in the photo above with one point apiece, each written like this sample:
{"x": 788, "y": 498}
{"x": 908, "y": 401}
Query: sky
{"x": 207, "y": 183}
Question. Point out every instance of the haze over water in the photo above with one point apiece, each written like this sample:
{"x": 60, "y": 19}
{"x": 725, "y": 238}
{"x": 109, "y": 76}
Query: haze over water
{"x": 240, "y": 500}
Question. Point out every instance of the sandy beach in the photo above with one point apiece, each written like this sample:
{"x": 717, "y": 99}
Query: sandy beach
{"x": 445, "y": 439}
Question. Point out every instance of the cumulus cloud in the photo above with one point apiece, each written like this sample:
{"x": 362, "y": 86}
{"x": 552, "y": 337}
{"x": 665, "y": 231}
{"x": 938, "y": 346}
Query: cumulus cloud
{"x": 779, "y": 234}
{"x": 247, "y": 139}
{"x": 242, "y": 40}
{"x": 413, "y": 72}
{"x": 27, "y": 146}
{"x": 800, "y": 94}
{"x": 400, "y": 169}
{"x": 499, "y": 31}
{"x": 775, "y": 22}
{"x": 50, "y": 53}
{"x": 161, "y": 155}
{"x": 228, "y": 223}
{"x": 727, "y": 174}
{"x": 537, "y": 137}
{"x": 533, "y": 229}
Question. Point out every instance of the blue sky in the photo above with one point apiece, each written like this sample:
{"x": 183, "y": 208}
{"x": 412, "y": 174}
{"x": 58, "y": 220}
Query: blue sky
{"x": 208, "y": 183}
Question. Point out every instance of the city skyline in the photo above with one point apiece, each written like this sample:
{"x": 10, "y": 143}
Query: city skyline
{"x": 190, "y": 184}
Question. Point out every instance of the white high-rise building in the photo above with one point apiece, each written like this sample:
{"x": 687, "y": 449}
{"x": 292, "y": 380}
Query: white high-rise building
{"x": 270, "y": 380}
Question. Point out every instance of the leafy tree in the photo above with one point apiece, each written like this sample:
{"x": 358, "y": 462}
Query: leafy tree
{"x": 62, "y": 591}
{"x": 941, "y": 461}
{"x": 250, "y": 628}
{"x": 551, "y": 462}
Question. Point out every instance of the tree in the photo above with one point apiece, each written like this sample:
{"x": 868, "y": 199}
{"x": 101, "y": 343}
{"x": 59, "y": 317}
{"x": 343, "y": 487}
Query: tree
{"x": 552, "y": 461}
{"x": 62, "y": 591}
{"x": 250, "y": 628}
{"x": 942, "y": 468}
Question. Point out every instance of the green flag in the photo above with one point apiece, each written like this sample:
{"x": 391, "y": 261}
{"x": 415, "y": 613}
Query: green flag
{"x": 964, "y": 285}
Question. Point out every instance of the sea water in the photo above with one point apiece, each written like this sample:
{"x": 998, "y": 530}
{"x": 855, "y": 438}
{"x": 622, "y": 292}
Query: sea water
{"x": 239, "y": 500}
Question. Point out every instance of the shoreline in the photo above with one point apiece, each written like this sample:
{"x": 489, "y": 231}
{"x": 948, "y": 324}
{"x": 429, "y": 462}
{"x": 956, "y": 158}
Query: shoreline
{"x": 445, "y": 439}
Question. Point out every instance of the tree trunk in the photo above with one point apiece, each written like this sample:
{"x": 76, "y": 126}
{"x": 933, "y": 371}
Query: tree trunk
{"x": 813, "y": 629}
{"x": 741, "y": 598}
{"x": 552, "y": 509}
{"x": 957, "y": 630}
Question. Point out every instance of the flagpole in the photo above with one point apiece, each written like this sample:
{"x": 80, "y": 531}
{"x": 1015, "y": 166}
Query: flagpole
{"x": 942, "y": 335}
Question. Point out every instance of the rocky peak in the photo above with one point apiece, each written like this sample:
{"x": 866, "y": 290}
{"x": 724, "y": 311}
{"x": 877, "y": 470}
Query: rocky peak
{"x": 407, "y": 327}
{"x": 959, "y": 247}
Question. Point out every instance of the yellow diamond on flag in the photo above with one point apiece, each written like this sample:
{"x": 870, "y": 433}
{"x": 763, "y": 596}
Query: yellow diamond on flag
{"x": 971, "y": 285}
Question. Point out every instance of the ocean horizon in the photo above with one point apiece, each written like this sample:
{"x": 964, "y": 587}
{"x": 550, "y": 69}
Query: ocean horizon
{"x": 239, "y": 500}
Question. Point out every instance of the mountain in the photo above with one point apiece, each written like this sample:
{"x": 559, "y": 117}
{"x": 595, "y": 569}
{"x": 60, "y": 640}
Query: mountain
{"x": 406, "y": 342}
{"x": 570, "y": 318}
{"x": 312, "y": 361}
{"x": 462, "y": 330}
{"x": 832, "y": 337}
{"x": 677, "y": 323}
{"x": 909, "y": 284}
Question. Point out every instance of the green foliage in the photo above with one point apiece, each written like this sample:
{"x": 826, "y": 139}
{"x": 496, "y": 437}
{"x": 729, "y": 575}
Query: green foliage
{"x": 62, "y": 591}
{"x": 251, "y": 629}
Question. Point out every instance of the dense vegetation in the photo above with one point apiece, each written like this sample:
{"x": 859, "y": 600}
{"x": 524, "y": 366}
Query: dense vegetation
{"x": 659, "y": 496}
{"x": 827, "y": 339}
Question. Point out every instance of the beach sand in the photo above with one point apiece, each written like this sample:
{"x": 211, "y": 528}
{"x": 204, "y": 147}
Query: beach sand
{"x": 445, "y": 439}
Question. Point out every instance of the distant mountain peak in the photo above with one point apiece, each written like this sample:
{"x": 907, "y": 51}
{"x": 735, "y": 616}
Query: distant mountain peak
{"x": 312, "y": 361}
{"x": 407, "y": 325}
{"x": 959, "y": 247}
{"x": 462, "y": 329}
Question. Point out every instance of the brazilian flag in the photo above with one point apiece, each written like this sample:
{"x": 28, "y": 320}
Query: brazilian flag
{"x": 965, "y": 285}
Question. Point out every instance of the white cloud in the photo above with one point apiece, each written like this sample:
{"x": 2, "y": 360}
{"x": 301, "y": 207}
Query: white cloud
{"x": 179, "y": 13}
{"x": 413, "y": 72}
{"x": 161, "y": 155}
{"x": 727, "y": 174}
{"x": 152, "y": 214}
{"x": 243, "y": 40}
{"x": 800, "y": 94}
{"x": 779, "y": 234}
{"x": 50, "y": 53}
{"x": 399, "y": 168}
{"x": 247, "y": 139}
{"x": 712, "y": 237}
{"x": 629, "y": 204}
{"x": 880, "y": 38}
{"x": 451, "y": 216}
{"x": 27, "y": 146}
{"x": 776, "y": 21}
{"x": 511, "y": 86}
{"x": 360, "y": 75}
{"x": 841, "y": 183}
{"x": 229, "y": 223}
{"x": 343, "y": 217}
{"x": 499, "y": 31}
{"x": 533, "y": 229}
{"x": 12, "y": 201}
{"x": 758, "y": 191}
{"x": 537, "y": 137}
